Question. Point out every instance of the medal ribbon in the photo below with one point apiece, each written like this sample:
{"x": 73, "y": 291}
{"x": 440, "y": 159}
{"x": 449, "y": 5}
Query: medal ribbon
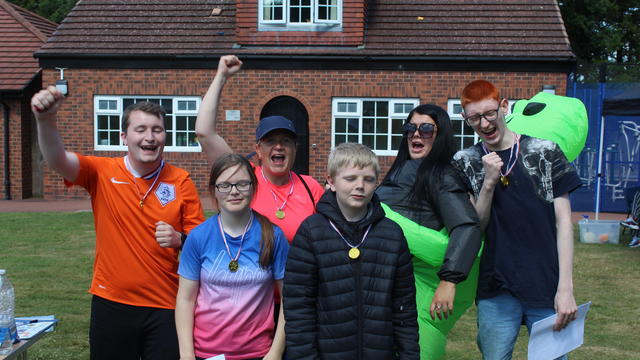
{"x": 224, "y": 237}
{"x": 155, "y": 175}
{"x": 275, "y": 198}
{"x": 345, "y": 240}
{"x": 510, "y": 165}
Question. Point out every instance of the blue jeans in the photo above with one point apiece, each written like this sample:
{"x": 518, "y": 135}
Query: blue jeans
{"x": 499, "y": 320}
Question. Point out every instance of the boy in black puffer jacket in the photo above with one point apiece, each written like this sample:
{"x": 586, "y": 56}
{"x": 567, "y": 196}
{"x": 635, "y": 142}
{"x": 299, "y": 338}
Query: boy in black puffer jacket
{"x": 349, "y": 291}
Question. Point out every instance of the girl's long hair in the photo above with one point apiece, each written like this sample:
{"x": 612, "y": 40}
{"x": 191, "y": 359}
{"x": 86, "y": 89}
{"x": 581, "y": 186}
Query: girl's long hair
{"x": 225, "y": 162}
{"x": 432, "y": 166}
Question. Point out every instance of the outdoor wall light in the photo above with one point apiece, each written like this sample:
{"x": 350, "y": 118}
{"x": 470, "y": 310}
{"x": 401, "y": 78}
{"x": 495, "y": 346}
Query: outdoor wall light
{"x": 62, "y": 84}
{"x": 551, "y": 89}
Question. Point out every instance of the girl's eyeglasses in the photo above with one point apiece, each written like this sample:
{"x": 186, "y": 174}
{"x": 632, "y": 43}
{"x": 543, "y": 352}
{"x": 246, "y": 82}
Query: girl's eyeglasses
{"x": 425, "y": 130}
{"x": 226, "y": 187}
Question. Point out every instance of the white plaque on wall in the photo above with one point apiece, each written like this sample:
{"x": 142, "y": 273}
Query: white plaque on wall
{"x": 232, "y": 115}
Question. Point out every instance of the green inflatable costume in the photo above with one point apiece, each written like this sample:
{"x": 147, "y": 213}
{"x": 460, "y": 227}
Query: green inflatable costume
{"x": 560, "y": 119}
{"x": 428, "y": 248}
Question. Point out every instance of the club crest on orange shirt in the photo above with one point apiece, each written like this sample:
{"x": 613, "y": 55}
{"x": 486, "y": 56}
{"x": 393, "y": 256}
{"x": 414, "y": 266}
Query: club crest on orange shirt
{"x": 165, "y": 193}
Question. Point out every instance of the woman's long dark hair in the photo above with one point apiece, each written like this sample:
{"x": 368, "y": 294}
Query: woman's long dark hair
{"x": 432, "y": 166}
{"x": 225, "y": 162}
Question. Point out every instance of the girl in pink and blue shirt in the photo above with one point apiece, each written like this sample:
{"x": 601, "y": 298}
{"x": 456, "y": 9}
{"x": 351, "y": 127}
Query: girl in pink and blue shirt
{"x": 228, "y": 269}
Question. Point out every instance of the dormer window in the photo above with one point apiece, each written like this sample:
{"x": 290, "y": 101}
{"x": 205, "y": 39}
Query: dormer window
{"x": 300, "y": 15}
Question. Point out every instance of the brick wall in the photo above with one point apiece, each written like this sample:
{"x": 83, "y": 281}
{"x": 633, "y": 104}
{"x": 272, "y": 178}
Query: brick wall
{"x": 250, "y": 90}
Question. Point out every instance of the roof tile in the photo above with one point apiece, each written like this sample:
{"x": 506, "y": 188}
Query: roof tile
{"x": 21, "y": 34}
{"x": 486, "y": 28}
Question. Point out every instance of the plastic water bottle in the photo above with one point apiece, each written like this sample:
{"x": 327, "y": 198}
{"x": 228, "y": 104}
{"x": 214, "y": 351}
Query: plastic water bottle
{"x": 8, "y": 333}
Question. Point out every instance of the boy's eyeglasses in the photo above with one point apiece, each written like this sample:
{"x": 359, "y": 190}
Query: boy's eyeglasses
{"x": 225, "y": 187}
{"x": 425, "y": 130}
{"x": 490, "y": 115}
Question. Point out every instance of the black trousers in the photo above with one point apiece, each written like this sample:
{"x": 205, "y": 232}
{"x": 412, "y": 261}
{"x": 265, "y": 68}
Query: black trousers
{"x": 126, "y": 332}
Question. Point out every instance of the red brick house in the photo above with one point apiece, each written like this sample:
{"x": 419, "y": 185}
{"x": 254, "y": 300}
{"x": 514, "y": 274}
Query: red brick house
{"x": 343, "y": 70}
{"x": 21, "y": 33}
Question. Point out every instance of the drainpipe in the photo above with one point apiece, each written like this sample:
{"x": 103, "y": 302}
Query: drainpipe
{"x": 7, "y": 168}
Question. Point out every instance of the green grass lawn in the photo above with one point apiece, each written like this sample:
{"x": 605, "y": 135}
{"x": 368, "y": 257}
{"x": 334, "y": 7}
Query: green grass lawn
{"x": 49, "y": 257}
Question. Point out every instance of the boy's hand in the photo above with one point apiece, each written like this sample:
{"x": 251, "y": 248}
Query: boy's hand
{"x": 566, "y": 309}
{"x": 46, "y": 102}
{"x": 228, "y": 65}
{"x": 166, "y": 236}
{"x": 492, "y": 164}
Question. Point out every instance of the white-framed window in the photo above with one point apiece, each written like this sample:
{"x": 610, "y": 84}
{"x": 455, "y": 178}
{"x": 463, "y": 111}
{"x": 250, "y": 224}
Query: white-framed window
{"x": 463, "y": 133}
{"x": 374, "y": 122}
{"x": 179, "y": 121}
{"x": 300, "y": 15}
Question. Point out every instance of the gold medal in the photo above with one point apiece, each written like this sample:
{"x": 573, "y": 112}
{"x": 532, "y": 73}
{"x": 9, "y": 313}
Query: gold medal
{"x": 280, "y": 214}
{"x": 354, "y": 253}
{"x": 141, "y": 204}
{"x": 233, "y": 265}
{"x": 504, "y": 180}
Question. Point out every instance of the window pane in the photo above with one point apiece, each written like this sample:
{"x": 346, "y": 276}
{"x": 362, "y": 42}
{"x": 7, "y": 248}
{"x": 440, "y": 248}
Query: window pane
{"x": 155, "y": 101}
{"x": 181, "y": 123}
{"x": 167, "y": 105}
{"x": 353, "y": 107}
{"x": 342, "y": 107}
{"x": 368, "y": 140}
{"x": 340, "y": 139}
{"x": 368, "y": 108}
{"x": 322, "y": 13}
{"x": 306, "y": 15}
{"x": 278, "y": 13}
{"x": 181, "y": 139}
{"x": 352, "y": 138}
{"x": 192, "y": 139}
{"x": 367, "y": 125}
{"x": 103, "y": 122}
{"x": 182, "y": 105}
{"x": 382, "y": 108}
{"x": 192, "y": 123}
{"x": 396, "y": 126}
{"x": 114, "y": 122}
{"x": 169, "y": 139}
{"x": 114, "y": 138}
{"x": 457, "y": 108}
{"x": 103, "y": 105}
{"x": 395, "y": 142}
{"x": 381, "y": 142}
{"x": 294, "y": 16}
{"x": 341, "y": 125}
{"x": 103, "y": 138}
{"x": 353, "y": 126}
{"x": 382, "y": 125}
{"x": 168, "y": 122}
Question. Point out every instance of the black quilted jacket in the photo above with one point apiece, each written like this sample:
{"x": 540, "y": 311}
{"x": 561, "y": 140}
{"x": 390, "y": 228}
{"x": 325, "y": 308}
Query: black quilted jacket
{"x": 338, "y": 308}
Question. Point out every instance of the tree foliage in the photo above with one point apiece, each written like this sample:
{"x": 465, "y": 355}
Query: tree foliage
{"x": 604, "y": 31}
{"x": 54, "y": 10}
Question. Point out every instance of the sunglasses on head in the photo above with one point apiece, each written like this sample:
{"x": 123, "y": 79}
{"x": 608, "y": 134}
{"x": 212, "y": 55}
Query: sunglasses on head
{"x": 425, "y": 130}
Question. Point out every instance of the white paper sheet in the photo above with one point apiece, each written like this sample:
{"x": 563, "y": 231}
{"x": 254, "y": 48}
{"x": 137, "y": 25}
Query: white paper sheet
{"x": 217, "y": 357}
{"x": 545, "y": 344}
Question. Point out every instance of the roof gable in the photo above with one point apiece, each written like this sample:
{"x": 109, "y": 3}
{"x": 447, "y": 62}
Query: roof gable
{"x": 21, "y": 34}
{"x": 509, "y": 29}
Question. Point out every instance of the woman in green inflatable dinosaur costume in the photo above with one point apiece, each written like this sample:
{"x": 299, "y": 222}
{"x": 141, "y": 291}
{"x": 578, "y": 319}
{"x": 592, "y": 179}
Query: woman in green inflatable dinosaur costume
{"x": 425, "y": 195}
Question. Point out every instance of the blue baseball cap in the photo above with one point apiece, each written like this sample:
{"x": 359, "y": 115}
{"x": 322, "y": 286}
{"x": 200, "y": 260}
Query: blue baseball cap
{"x": 270, "y": 123}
